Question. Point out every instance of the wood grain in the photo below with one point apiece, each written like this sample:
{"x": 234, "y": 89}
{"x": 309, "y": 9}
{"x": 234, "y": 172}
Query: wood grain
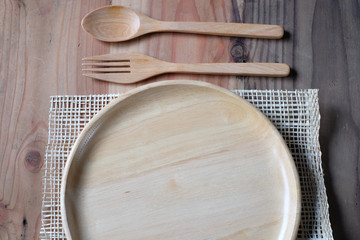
{"x": 145, "y": 154}
{"x": 204, "y": 49}
{"x": 321, "y": 47}
{"x": 338, "y": 81}
{"x": 131, "y": 67}
{"x": 118, "y": 23}
{"x": 41, "y": 44}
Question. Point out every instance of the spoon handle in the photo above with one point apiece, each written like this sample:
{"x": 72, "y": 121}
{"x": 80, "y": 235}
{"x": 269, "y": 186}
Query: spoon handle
{"x": 226, "y": 29}
{"x": 244, "y": 69}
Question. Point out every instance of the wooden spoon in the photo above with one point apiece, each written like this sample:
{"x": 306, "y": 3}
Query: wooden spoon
{"x": 117, "y": 23}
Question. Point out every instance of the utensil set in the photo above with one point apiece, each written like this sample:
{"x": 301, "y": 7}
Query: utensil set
{"x": 117, "y": 23}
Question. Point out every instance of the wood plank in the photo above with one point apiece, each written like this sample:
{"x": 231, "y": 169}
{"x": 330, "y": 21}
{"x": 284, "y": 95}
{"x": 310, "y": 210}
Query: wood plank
{"x": 264, "y": 50}
{"x": 335, "y": 42}
{"x": 321, "y": 46}
{"x": 41, "y": 45}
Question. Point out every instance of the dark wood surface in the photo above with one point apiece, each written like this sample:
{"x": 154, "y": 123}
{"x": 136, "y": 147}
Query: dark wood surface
{"x": 41, "y": 46}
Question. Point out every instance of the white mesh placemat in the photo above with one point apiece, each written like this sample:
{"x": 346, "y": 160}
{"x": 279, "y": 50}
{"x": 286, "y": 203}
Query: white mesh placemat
{"x": 294, "y": 113}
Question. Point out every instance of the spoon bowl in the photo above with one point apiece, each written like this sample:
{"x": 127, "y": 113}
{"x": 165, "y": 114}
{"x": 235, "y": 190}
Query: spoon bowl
{"x": 118, "y": 23}
{"x": 112, "y": 24}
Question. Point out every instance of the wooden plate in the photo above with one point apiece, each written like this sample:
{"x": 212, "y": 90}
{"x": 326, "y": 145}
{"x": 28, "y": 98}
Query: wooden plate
{"x": 180, "y": 160}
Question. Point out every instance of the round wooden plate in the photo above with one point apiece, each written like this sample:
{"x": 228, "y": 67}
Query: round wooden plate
{"x": 180, "y": 160}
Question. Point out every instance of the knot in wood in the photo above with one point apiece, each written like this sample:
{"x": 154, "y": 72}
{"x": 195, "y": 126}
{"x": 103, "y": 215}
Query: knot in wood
{"x": 33, "y": 161}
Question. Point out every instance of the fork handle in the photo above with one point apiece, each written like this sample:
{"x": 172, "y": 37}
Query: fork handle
{"x": 245, "y": 69}
{"x": 226, "y": 29}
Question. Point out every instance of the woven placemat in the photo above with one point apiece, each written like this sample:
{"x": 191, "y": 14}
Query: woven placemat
{"x": 294, "y": 113}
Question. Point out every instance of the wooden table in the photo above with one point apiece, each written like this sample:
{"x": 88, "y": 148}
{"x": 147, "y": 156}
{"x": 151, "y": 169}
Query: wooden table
{"x": 42, "y": 43}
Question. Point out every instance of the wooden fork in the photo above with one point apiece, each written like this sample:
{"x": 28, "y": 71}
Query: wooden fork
{"x": 129, "y": 68}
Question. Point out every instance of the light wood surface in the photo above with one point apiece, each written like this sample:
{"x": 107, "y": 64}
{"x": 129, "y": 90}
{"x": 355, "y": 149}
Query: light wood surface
{"x": 42, "y": 44}
{"x": 126, "y": 68}
{"x": 184, "y": 159}
{"x": 118, "y": 23}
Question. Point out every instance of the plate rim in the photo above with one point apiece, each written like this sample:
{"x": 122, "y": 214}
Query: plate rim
{"x": 98, "y": 116}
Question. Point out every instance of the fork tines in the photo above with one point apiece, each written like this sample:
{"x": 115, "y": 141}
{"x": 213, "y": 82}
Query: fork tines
{"x": 105, "y": 65}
